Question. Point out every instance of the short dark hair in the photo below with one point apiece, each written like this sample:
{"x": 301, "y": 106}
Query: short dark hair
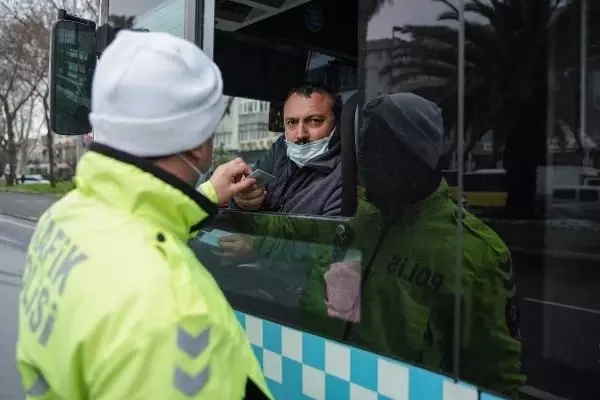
{"x": 308, "y": 88}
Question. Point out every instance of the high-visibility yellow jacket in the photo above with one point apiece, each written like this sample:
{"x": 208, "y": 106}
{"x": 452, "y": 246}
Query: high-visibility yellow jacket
{"x": 114, "y": 304}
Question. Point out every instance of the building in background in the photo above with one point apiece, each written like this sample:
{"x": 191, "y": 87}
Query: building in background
{"x": 254, "y": 135}
{"x": 244, "y": 131}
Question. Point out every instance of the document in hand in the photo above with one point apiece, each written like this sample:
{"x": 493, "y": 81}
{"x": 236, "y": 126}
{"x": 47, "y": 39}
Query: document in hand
{"x": 211, "y": 238}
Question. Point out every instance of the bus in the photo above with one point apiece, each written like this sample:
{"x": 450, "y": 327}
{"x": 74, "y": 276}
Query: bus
{"x": 263, "y": 48}
{"x": 484, "y": 188}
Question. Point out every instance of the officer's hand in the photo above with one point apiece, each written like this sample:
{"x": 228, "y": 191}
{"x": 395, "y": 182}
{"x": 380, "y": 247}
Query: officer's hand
{"x": 229, "y": 179}
{"x": 251, "y": 199}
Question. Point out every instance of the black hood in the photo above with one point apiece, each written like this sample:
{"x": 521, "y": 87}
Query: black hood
{"x": 399, "y": 144}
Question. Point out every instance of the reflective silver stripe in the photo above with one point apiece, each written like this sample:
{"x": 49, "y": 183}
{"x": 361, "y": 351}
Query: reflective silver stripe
{"x": 190, "y": 385}
{"x": 39, "y": 388}
{"x": 191, "y": 345}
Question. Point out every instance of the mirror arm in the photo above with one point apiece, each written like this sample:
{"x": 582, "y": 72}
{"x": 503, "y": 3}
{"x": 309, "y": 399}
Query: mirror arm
{"x": 64, "y": 15}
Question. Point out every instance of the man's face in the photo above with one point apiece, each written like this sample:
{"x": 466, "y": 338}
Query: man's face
{"x": 308, "y": 119}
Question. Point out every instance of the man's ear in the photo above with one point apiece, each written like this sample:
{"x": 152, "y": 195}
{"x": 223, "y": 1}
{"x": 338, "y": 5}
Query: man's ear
{"x": 201, "y": 152}
{"x": 195, "y": 154}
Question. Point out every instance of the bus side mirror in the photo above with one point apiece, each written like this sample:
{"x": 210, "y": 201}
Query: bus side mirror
{"x": 72, "y": 63}
{"x": 276, "y": 117}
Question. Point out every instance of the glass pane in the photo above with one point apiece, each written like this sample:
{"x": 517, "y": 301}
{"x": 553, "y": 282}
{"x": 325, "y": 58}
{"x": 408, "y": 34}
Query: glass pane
{"x": 565, "y": 194}
{"x": 588, "y": 195}
{"x": 147, "y": 15}
{"x": 291, "y": 270}
{"x": 532, "y": 72}
{"x": 409, "y": 209}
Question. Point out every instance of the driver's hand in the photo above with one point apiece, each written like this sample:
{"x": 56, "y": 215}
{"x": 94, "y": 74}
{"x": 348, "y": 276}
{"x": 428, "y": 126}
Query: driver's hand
{"x": 238, "y": 246}
{"x": 250, "y": 199}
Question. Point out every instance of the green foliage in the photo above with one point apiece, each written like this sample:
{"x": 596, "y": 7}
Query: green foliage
{"x": 61, "y": 188}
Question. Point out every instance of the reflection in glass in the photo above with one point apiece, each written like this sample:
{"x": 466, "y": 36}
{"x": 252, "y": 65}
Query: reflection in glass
{"x": 531, "y": 164}
{"x": 409, "y": 165}
{"x": 278, "y": 268}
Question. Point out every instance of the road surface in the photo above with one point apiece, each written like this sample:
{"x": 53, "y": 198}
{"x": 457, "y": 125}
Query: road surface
{"x": 560, "y": 310}
{"x": 14, "y": 238}
{"x": 25, "y": 205}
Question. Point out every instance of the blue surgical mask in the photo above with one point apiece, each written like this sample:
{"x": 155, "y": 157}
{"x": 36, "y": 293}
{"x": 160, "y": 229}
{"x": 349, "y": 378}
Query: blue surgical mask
{"x": 301, "y": 154}
{"x": 204, "y": 176}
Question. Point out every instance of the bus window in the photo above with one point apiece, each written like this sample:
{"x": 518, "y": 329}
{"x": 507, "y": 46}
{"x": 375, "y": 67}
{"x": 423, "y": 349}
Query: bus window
{"x": 274, "y": 261}
{"x": 400, "y": 250}
{"x": 273, "y": 65}
{"x": 588, "y": 195}
{"x": 408, "y": 162}
{"x": 565, "y": 194}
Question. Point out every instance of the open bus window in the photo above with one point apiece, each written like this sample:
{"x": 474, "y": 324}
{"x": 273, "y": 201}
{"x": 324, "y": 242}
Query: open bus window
{"x": 264, "y": 52}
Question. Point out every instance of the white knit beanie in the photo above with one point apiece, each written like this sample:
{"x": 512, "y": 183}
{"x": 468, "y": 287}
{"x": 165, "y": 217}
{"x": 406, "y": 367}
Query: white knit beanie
{"x": 155, "y": 94}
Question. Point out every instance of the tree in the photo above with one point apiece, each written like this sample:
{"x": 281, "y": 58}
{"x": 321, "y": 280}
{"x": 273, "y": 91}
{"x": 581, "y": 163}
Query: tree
{"x": 506, "y": 81}
{"x": 25, "y": 124}
{"x": 35, "y": 18}
{"x": 222, "y": 156}
{"x": 17, "y": 86}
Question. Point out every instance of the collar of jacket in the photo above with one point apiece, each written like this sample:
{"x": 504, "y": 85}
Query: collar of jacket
{"x": 442, "y": 193}
{"x": 140, "y": 188}
{"x": 327, "y": 161}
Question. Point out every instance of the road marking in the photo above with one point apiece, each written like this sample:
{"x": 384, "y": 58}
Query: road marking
{"x": 11, "y": 274}
{"x": 17, "y": 223}
{"x": 9, "y": 283}
{"x": 561, "y": 305}
{"x": 12, "y": 241}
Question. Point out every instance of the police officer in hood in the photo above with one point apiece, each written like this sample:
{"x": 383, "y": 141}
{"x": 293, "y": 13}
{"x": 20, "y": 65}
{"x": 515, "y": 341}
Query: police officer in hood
{"x": 114, "y": 305}
{"x": 406, "y": 231}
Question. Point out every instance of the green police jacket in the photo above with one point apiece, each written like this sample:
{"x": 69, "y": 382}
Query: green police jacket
{"x": 409, "y": 272}
{"x": 114, "y": 304}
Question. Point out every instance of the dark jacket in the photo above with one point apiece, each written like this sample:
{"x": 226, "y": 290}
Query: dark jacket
{"x": 315, "y": 189}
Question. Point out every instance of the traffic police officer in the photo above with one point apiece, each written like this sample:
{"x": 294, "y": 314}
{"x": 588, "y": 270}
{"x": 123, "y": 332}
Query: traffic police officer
{"x": 406, "y": 232}
{"x": 114, "y": 304}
